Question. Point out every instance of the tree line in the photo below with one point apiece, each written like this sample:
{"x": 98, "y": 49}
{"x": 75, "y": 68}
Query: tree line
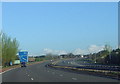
{"x": 9, "y": 49}
{"x": 106, "y": 56}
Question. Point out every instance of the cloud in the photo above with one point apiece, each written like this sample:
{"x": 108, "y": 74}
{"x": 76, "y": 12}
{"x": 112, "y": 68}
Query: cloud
{"x": 95, "y": 48}
{"x": 47, "y": 51}
{"x": 58, "y": 52}
{"x": 78, "y": 51}
{"x": 62, "y": 52}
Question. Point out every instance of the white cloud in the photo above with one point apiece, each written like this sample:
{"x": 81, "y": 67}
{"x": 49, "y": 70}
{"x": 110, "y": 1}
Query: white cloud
{"x": 58, "y": 52}
{"x": 95, "y": 48}
{"x": 62, "y": 52}
{"x": 47, "y": 50}
{"x": 78, "y": 51}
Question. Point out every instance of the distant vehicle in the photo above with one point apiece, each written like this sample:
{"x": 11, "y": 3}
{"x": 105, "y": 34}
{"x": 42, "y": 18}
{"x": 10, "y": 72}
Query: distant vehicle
{"x": 11, "y": 63}
{"x": 63, "y": 61}
{"x": 16, "y": 62}
{"x": 23, "y": 56}
{"x": 31, "y": 59}
{"x": 23, "y": 64}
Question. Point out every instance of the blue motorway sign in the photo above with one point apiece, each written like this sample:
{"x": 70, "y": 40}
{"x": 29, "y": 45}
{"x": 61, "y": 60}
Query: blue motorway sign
{"x": 23, "y": 56}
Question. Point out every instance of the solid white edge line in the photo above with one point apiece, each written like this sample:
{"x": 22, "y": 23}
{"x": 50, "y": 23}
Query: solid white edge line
{"x": 74, "y": 78}
{"x": 8, "y": 70}
{"x": 61, "y": 75}
{"x": 53, "y": 72}
{"x": 32, "y": 79}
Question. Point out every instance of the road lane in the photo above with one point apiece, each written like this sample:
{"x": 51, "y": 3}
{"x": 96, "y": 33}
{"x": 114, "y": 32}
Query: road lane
{"x": 73, "y": 62}
{"x": 40, "y": 73}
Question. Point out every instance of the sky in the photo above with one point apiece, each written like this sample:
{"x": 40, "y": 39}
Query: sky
{"x": 60, "y": 0}
{"x": 61, "y": 27}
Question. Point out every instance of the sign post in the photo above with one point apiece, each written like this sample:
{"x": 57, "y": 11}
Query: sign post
{"x": 23, "y": 56}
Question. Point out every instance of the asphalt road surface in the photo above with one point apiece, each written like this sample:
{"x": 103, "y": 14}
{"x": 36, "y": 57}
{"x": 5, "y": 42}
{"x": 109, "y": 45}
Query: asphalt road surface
{"x": 40, "y": 73}
{"x": 73, "y": 62}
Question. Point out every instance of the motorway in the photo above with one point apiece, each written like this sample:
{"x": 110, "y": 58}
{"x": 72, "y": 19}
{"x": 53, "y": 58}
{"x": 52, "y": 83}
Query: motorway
{"x": 73, "y": 62}
{"x": 40, "y": 73}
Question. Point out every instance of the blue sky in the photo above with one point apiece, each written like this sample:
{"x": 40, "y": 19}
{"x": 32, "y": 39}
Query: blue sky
{"x": 61, "y": 26}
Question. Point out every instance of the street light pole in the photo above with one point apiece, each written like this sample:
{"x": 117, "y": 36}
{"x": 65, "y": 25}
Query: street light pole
{"x": 95, "y": 57}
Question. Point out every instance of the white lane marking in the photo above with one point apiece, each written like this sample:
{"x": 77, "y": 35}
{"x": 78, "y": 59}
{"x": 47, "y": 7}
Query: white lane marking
{"x": 28, "y": 75}
{"x": 9, "y": 70}
{"x": 61, "y": 75}
{"x": 47, "y": 71}
{"x": 74, "y": 78}
{"x": 32, "y": 79}
{"x": 53, "y": 72}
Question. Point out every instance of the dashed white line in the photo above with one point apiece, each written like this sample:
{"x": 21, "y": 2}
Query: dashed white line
{"x": 53, "y": 72}
{"x": 61, "y": 75}
{"x": 32, "y": 79}
{"x": 74, "y": 78}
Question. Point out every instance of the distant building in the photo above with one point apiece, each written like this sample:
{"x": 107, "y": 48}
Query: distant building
{"x": 31, "y": 59}
{"x": 42, "y": 56}
{"x": 63, "y": 55}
